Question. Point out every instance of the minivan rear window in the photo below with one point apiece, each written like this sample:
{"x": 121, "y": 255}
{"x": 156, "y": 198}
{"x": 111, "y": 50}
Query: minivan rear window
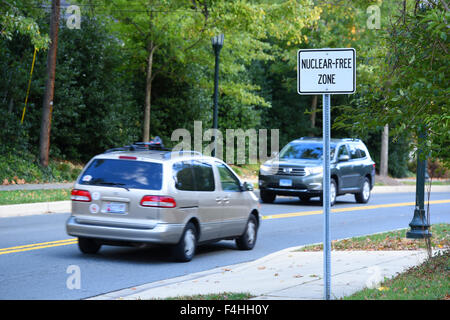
{"x": 123, "y": 173}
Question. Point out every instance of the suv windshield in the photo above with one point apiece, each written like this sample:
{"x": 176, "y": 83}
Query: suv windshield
{"x": 123, "y": 173}
{"x": 305, "y": 151}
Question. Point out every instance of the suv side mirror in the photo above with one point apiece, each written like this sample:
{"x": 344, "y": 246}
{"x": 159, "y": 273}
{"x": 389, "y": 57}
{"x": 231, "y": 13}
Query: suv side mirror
{"x": 246, "y": 186}
{"x": 344, "y": 157}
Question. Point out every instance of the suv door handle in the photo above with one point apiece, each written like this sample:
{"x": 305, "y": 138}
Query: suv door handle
{"x": 226, "y": 199}
{"x": 218, "y": 200}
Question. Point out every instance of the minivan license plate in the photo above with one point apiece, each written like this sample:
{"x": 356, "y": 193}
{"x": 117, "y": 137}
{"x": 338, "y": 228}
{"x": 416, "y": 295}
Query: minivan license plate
{"x": 285, "y": 183}
{"x": 114, "y": 207}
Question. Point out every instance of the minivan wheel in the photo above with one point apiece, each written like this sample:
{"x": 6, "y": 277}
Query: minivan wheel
{"x": 364, "y": 195}
{"x": 267, "y": 196}
{"x": 248, "y": 239}
{"x": 184, "y": 251}
{"x": 88, "y": 245}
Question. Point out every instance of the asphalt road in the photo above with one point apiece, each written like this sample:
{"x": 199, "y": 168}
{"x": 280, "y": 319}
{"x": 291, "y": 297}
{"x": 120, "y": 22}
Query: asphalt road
{"x": 34, "y": 261}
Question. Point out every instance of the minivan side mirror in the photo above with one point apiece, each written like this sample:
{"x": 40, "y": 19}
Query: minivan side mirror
{"x": 246, "y": 186}
{"x": 344, "y": 157}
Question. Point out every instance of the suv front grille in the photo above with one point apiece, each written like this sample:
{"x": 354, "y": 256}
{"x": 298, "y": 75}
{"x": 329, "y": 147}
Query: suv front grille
{"x": 291, "y": 171}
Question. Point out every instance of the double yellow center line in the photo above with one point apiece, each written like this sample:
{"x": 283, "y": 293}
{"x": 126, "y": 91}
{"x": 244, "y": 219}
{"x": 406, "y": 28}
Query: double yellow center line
{"x": 57, "y": 243}
{"x": 36, "y": 246}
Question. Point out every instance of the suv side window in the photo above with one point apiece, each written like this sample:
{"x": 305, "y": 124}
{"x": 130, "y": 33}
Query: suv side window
{"x": 204, "y": 176}
{"x": 362, "y": 152}
{"x": 354, "y": 153}
{"x": 227, "y": 179}
{"x": 183, "y": 176}
{"x": 342, "y": 151}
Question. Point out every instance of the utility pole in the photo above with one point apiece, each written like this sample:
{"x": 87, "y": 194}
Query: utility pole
{"x": 47, "y": 108}
{"x": 384, "y": 151}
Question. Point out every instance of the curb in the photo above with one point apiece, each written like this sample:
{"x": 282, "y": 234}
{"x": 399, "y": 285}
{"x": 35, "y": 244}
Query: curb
{"x": 126, "y": 292}
{"x": 28, "y": 209}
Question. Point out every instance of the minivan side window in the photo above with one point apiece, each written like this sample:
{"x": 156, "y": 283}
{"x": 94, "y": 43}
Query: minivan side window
{"x": 227, "y": 179}
{"x": 204, "y": 176}
{"x": 183, "y": 176}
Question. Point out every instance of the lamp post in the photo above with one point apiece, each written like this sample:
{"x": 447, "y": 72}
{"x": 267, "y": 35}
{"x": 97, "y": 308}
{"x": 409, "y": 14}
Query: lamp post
{"x": 217, "y": 44}
{"x": 419, "y": 225}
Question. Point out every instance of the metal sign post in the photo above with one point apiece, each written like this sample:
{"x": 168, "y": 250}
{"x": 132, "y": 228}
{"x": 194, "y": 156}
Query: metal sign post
{"x": 326, "y": 197}
{"x": 326, "y": 72}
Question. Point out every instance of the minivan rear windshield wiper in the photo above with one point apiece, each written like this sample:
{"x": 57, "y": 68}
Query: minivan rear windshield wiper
{"x": 114, "y": 184}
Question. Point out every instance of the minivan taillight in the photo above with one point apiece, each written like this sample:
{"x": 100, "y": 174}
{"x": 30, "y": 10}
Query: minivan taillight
{"x": 158, "y": 201}
{"x": 80, "y": 195}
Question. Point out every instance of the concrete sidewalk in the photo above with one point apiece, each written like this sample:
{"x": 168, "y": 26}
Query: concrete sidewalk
{"x": 284, "y": 275}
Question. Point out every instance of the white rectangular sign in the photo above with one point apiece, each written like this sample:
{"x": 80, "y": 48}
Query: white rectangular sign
{"x": 326, "y": 71}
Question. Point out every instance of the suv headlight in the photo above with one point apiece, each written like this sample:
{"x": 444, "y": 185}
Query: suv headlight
{"x": 313, "y": 170}
{"x": 265, "y": 169}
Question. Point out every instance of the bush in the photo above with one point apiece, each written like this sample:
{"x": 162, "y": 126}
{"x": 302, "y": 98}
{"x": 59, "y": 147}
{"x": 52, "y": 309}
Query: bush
{"x": 23, "y": 167}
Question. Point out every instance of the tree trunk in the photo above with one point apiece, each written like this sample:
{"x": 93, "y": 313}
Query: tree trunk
{"x": 384, "y": 151}
{"x": 313, "y": 111}
{"x": 313, "y": 114}
{"x": 47, "y": 108}
{"x": 148, "y": 92}
{"x": 10, "y": 105}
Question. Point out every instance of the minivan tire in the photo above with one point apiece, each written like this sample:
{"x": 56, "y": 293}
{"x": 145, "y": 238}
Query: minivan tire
{"x": 88, "y": 245}
{"x": 364, "y": 195}
{"x": 184, "y": 251}
{"x": 267, "y": 196}
{"x": 248, "y": 239}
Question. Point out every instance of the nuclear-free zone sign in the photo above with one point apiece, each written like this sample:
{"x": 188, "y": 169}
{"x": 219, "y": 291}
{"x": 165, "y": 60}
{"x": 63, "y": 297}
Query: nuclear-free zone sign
{"x": 326, "y": 71}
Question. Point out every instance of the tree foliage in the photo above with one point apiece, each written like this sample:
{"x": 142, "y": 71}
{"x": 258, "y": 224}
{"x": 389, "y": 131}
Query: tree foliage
{"x": 102, "y": 72}
{"x": 406, "y": 83}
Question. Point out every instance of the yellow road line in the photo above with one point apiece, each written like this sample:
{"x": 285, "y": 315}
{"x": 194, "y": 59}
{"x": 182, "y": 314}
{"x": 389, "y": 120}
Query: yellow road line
{"x": 36, "y": 246}
{"x": 57, "y": 243}
{"x": 308, "y": 213}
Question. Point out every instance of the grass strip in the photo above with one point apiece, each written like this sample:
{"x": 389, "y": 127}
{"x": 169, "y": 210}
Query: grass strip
{"x": 428, "y": 281}
{"x": 32, "y": 196}
{"x": 391, "y": 240}
{"x": 215, "y": 296}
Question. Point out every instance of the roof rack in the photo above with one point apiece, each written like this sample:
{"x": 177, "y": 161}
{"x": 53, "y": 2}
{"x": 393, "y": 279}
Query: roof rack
{"x": 155, "y": 144}
{"x": 181, "y": 153}
{"x": 351, "y": 139}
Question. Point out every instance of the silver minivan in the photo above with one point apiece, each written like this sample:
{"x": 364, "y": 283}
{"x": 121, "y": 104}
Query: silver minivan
{"x": 160, "y": 197}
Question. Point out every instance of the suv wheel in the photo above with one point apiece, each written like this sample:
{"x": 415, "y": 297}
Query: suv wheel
{"x": 88, "y": 245}
{"x": 248, "y": 239}
{"x": 185, "y": 249}
{"x": 333, "y": 193}
{"x": 364, "y": 195}
{"x": 267, "y": 196}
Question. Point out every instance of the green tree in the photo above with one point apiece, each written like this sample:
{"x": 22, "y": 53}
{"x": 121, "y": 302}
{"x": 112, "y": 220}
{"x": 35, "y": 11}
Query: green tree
{"x": 180, "y": 31}
{"x": 19, "y": 17}
{"x": 407, "y": 82}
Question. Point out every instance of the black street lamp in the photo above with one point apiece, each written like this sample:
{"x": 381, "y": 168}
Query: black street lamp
{"x": 419, "y": 225}
{"x": 217, "y": 43}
